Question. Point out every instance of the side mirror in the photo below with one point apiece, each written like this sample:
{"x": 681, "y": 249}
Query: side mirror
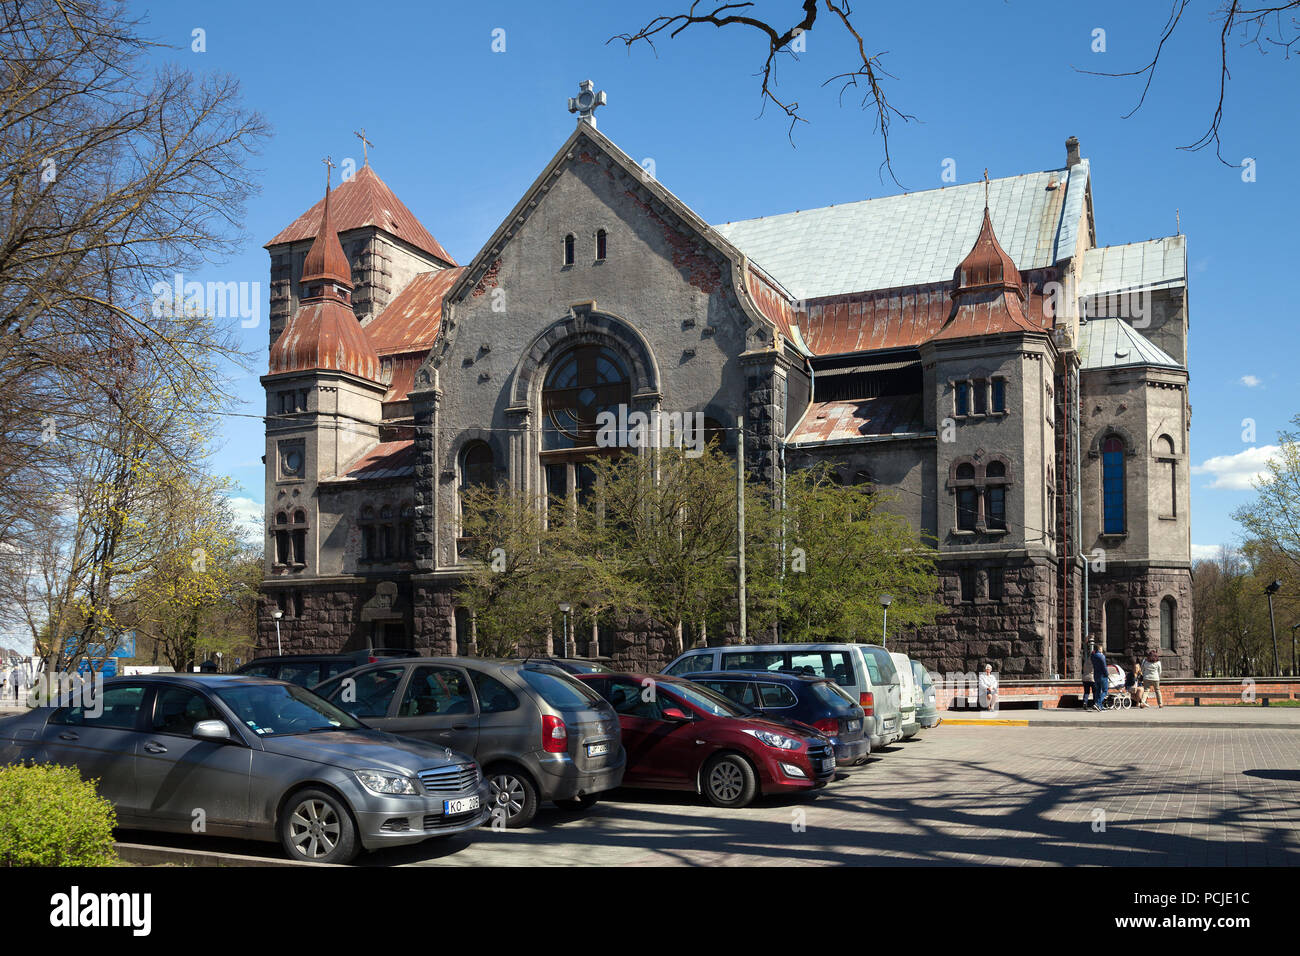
{"x": 211, "y": 730}
{"x": 677, "y": 715}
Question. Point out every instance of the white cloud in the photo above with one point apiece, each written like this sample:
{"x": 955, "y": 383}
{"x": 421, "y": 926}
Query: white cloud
{"x": 1235, "y": 472}
{"x": 1205, "y": 552}
{"x": 1250, "y": 381}
{"x": 250, "y": 515}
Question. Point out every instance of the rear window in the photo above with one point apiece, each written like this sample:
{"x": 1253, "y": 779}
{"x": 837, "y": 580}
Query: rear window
{"x": 302, "y": 673}
{"x": 829, "y": 693}
{"x": 921, "y": 675}
{"x": 560, "y": 690}
{"x": 884, "y": 671}
{"x": 259, "y": 670}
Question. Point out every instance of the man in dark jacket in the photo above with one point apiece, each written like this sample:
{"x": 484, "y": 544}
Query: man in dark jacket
{"x": 1099, "y": 676}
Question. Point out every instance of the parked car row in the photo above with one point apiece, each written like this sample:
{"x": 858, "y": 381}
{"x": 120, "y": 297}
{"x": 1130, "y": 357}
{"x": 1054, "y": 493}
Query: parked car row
{"x": 403, "y": 748}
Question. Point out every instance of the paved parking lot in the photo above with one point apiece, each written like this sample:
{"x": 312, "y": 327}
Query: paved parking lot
{"x": 960, "y": 794}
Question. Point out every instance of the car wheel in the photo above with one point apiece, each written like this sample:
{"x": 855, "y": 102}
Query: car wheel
{"x": 315, "y": 826}
{"x": 584, "y": 802}
{"x": 729, "y": 781}
{"x": 513, "y": 796}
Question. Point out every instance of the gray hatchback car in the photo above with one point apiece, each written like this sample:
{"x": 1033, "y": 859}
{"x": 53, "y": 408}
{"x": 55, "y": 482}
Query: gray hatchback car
{"x": 253, "y": 758}
{"x": 538, "y": 733}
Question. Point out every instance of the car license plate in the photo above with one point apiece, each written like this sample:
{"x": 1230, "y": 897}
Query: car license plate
{"x": 828, "y": 765}
{"x": 463, "y": 805}
{"x": 854, "y": 725}
{"x": 597, "y": 750}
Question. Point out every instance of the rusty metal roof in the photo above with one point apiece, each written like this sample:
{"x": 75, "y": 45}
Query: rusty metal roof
{"x": 325, "y": 260}
{"x": 861, "y": 419}
{"x": 390, "y": 459}
{"x": 366, "y": 201}
{"x": 324, "y": 334}
{"x": 410, "y": 322}
{"x": 400, "y": 370}
{"x": 773, "y": 303}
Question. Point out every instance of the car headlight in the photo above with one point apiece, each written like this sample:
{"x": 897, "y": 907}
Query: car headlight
{"x": 384, "y": 783}
{"x": 778, "y": 741}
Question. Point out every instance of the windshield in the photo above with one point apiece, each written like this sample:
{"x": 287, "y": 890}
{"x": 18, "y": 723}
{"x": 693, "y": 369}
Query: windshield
{"x": 273, "y": 710}
{"x": 560, "y": 690}
{"x": 708, "y": 701}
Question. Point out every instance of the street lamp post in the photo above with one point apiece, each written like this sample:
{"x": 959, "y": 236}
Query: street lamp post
{"x": 885, "y": 601}
{"x": 1270, "y": 591}
{"x": 277, "y": 614}
{"x": 564, "y": 609}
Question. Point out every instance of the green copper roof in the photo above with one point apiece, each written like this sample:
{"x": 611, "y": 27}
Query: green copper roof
{"x": 1154, "y": 264}
{"x": 915, "y": 238}
{"x": 1113, "y": 343}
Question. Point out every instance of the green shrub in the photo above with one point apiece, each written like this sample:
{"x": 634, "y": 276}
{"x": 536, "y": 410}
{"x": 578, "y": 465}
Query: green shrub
{"x": 49, "y": 816}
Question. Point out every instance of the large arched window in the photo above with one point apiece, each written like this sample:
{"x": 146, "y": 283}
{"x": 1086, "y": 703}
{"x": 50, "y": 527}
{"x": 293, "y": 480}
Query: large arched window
{"x": 1112, "y": 486}
{"x": 478, "y": 469}
{"x": 1167, "y": 610}
{"x": 583, "y": 383}
{"x": 1116, "y": 625}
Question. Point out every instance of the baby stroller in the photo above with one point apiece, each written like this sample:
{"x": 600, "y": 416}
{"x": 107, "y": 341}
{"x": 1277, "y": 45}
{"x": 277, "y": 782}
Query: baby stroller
{"x": 1118, "y": 696}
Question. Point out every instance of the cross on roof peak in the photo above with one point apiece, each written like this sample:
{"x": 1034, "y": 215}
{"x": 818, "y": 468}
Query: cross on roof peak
{"x": 365, "y": 144}
{"x": 586, "y": 102}
{"x": 329, "y": 169}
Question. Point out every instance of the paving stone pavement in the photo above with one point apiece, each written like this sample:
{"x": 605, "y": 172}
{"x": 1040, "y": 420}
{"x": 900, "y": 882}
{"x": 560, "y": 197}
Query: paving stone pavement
{"x": 959, "y": 794}
{"x": 1003, "y": 795}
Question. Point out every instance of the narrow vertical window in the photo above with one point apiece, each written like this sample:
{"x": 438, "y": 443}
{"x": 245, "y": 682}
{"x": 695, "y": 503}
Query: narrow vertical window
{"x": 300, "y": 538}
{"x": 1112, "y": 482}
{"x": 1116, "y": 624}
{"x": 967, "y": 577}
{"x": 600, "y": 243}
{"x": 967, "y": 498}
{"x": 981, "y": 397}
{"x": 963, "y": 398}
{"x": 995, "y": 584}
{"x": 995, "y": 496}
{"x": 999, "y": 395}
{"x": 1167, "y": 624}
{"x": 568, "y": 249}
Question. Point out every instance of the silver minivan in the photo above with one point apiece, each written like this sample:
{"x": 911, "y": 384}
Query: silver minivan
{"x": 865, "y": 671}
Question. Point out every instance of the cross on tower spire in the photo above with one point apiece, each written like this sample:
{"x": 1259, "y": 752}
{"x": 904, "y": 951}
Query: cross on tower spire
{"x": 365, "y": 154}
{"x": 329, "y": 169}
{"x": 986, "y": 187}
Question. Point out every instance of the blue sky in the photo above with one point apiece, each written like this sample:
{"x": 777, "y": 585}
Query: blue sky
{"x": 461, "y": 131}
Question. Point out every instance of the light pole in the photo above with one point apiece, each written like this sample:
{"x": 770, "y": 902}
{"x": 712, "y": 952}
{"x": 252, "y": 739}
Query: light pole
{"x": 1270, "y": 591}
{"x": 885, "y": 601}
{"x": 564, "y": 609}
{"x": 277, "y": 614}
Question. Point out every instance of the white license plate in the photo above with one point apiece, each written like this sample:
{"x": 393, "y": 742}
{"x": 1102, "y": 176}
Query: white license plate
{"x": 597, "y": 750}
{"x": 854, "y": 725}
{"x": 828, "y": 765}
{"x": 463, "y": 805}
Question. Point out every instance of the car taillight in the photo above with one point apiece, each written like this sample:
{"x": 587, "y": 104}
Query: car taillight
{"x": 372, "y": 660}
{"x": 555, "y": 736}
{"x": 828, "y": 726}
{"x": 868, "y": 702}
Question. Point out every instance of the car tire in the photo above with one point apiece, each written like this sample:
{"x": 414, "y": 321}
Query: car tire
{"x": 584, "y": 802}
{"x": 316, "y": 827}
{"x": 729, "y": 781}
{"x": 513, "y": 791}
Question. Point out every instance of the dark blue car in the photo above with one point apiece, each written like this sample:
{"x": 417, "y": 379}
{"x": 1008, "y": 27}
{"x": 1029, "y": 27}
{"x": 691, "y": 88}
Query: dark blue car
{"x": 816, "y": 702}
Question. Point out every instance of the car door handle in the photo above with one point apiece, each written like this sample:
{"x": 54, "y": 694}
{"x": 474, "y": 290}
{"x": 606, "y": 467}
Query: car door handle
{"x": 68, "y": 737}
{"x": 444, "y": 733}
{"x": 155, "y": 748}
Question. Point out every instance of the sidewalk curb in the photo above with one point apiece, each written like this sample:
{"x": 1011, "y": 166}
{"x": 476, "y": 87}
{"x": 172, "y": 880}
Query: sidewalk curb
{"x": 142, "y": 854}
{"x": 1122, "y": 724}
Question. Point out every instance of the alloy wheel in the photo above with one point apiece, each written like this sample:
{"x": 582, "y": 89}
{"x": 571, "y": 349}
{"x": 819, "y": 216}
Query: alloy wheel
{"x": 314, "y": 828}
{"x": 508, "y": 794}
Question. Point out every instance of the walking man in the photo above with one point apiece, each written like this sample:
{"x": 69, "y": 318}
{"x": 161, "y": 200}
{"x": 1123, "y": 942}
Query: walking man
{"x": 1099, "y": 676}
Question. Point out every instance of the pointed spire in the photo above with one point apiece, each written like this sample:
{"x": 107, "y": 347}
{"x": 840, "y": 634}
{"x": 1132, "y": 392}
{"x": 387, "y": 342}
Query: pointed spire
{"x": 326, "y": 263}
{"x": 987, "y": 265}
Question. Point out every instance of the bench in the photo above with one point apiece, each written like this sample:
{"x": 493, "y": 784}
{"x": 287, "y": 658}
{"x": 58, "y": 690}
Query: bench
{"x": 1262, "y": 696}
{"x": 1005, "y": 700}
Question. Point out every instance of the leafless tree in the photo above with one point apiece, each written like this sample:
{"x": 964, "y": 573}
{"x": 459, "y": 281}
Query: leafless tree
{"x": 1268, "y": 28}
{"x": 113, "y": 176}
{"x": 865, "y": 74}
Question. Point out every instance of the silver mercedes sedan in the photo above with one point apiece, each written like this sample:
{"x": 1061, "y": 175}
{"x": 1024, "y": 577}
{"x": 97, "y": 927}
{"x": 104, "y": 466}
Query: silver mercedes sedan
{"x": 252, "y": 758}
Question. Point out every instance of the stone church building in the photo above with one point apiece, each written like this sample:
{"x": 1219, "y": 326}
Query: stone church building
{"x": 1021, "y": 390}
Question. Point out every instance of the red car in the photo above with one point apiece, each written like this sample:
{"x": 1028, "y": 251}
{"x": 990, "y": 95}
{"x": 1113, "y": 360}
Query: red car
{"x": 681, "y": 736}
